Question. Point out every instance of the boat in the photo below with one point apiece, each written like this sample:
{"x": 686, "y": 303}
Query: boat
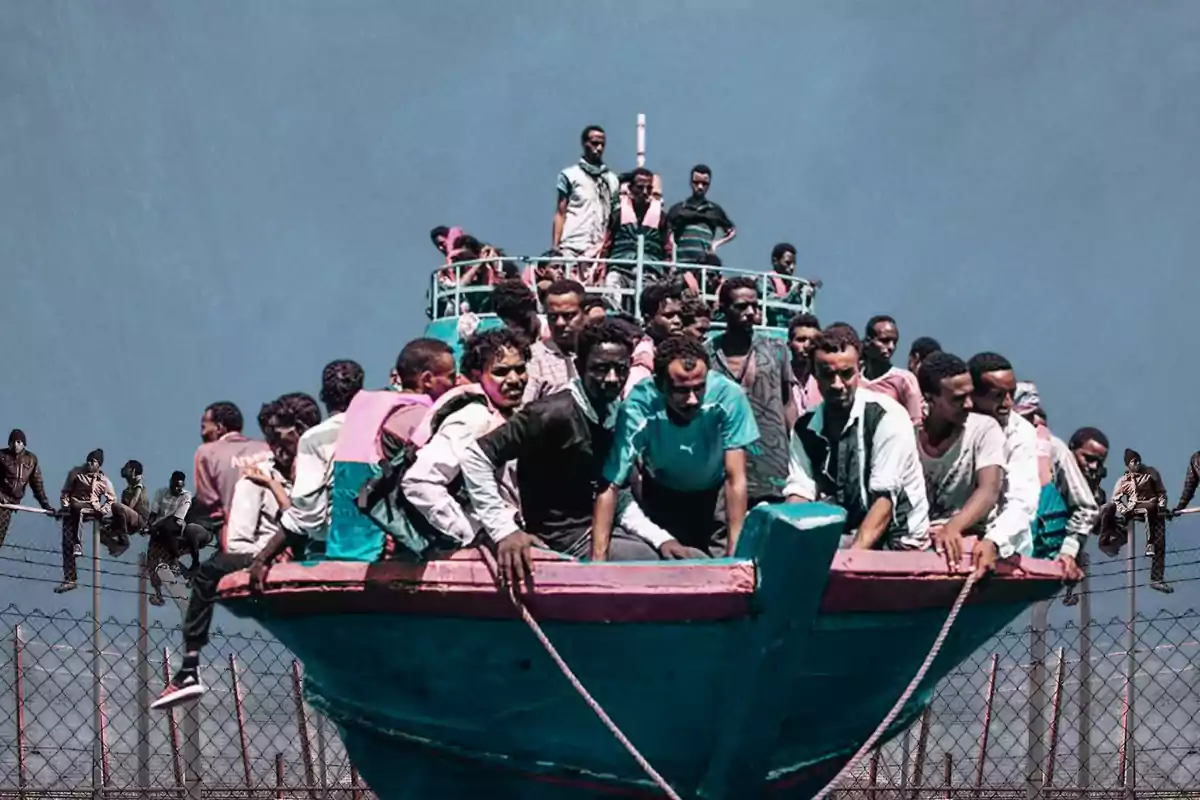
{"x": 759, "y": 675}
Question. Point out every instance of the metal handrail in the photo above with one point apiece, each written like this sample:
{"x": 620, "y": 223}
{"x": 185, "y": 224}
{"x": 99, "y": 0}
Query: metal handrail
{"x": 804, "y": 289}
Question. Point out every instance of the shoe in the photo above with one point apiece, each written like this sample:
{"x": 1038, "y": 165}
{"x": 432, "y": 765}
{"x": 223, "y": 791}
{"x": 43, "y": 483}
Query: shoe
{"x": 184, "y": 686}
{"x": 78, "y": 550}
{"x": 1071, "y": 600}
{"x": 65, "y": 586}
{"x": 157, "y": 601}
{"x": 1161, "y": 586}
{"x": 1149, "y": 551}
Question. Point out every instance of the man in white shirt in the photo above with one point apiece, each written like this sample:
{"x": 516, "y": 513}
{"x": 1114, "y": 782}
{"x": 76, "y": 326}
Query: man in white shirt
{"x": 856, "y": 449}
{"x": 962, "y": 455}
{"x": 308, "y": 515}
{"x": 993, "y": 386}
{"x": 251, "y": 528}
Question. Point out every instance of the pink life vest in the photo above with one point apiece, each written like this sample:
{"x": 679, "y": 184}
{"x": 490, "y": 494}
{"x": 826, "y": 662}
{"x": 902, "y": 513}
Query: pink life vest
{"x": 651, "y": 220}
{"x": 780, "y": 285}
{"x": 424, "y": 432}
{"x": 360, "y": 439}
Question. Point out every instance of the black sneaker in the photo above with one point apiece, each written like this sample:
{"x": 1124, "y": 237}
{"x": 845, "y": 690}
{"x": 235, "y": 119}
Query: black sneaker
{"x": 184, "y": 686}
{"x": 1161, "y": 586}
{"x": 65, "y": 586}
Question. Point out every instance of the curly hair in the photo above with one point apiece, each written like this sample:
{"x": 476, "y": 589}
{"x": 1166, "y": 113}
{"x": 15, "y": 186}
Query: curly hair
{"x": 725, "y": 295}
{"x": 340, "y": 381}
{"x": 836, "y": 339}
{"x": 783, "y": 247}
{"x": 803, "y": 320}
{"x": 594, "y": 334}
{"x": 483, "y": 348}
{"x": 512, "y": 300}
{"x": 695, "y": 308}
{"x": 654, "y": 295}
{"x": 268, "y": 410}
{"x": 675, "y": 348}
{"x": 298, "y": 409}
{"x": 982, "y": 363}
{"x": 227, "y": 415}
{"x": 937, "y": 368}
{"x": 1088, "y": 434}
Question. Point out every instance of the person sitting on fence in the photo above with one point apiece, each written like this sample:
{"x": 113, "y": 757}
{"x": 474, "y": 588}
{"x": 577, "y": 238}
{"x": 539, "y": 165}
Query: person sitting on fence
{"x": 696, "y": 317}
{"x": 856, "y": 449}
{"x": 803, "y": 330}
{"x": 443, "y": 515}
{"x": 167, "y": 527}
{"x": 130, "y": 515}
{"x": 253, "y": 533}
{"x": 638, "y": 215}
{"x": 19, "y": 468}
{"x": 559, "y": 444}
{"x": 87, "y": 491}
{"x": 552, "y": 363}
{"x": 993, "y": 385}
{"x": 306, "y": 516}
{"x": 879, "y": 345}
{"x": 662, "y": 312}
{"x": 1089, "y": 449}
{"x": 224, "y": 453}
{"x": 1191, "y": 480}
{"x": 1067, "y": 507}
{"x": 761, "y": 365}
{"x": 922, "y": 348}
{"x": 687, "y": 431}
{"x": 1140, "y": 492}
{"x": 962, "y": 456}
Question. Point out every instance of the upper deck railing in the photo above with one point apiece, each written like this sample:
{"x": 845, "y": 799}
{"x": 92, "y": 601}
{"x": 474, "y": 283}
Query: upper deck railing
{"x": 465, "y": 286}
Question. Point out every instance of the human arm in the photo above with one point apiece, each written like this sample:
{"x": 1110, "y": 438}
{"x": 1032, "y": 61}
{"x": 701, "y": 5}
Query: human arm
{"x": 910, "y": 397}
{"x": 306, "y": 511}
{"x": 65, "y": 496}
{"x": 560, "y": 210}
{"x": 1190, "y": 481}
{"x": 736, "y": 495}
{"x": 1158, "y": 487}
{"x": 738, "y": 431}
{"x": 245, "y": 510}
{"x": 108, "y": 495}
{"x": 1074, "y": 488}
{"x": 619, "y": 469}
{"x": 726, "y": 224}
{"x": 1124, "y": 495}
{"x": 603, "y": 513}
{"x": 38, "y": 485}
{"x": 897, "y": 503}
{"x": 426, "y": 484}
{"x": 206, "y": 501}
{"x": 800, "y": 486}
{"x": 632, "y": 518}
{"x": 1010, "y": 527}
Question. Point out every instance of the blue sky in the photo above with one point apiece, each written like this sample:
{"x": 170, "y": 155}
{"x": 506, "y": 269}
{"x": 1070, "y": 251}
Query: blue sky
{"x": 211, "y": 200}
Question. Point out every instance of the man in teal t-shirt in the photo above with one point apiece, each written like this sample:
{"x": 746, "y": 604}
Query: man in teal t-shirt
{"x": 687, "y": 432}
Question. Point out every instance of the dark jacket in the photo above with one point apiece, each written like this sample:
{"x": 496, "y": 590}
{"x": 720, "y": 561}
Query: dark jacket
{"x": 17, "y": 472}
{"x": 1190, "y": 481}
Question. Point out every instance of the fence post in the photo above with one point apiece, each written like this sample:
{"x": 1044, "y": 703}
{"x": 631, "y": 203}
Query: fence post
{"x": 1128, "y": 777}
{"x": 873, "y": 774}
{"x": 279, "y": 776}
{"x": 987, "y": 724}
{"x": 97, "y": 714}
{"x": 1055, "y": 711}
{"x": 172, "y": 725}
{"x": 947, "y": 771}
{"x": 905, "y": 757}
{"x": 193, "y": 751}
{"x": 322, "y": 767}
{"x": 355, "y": 794}
{"x": 919, "y": 762}
{"x": 1085, "y": 683}
{"x": 19, "y": 702}
{"x": 1035, "y": 747}
{"x": 143, "y": 673}
{"x": 302, "y": 727}
{"x": 104, "y": 772}
{"x": 241, "y": 720}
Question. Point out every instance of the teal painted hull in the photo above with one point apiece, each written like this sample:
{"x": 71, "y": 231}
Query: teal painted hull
{"x": 770, "y": 702}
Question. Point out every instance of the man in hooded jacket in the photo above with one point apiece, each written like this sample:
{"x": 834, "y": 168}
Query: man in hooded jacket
{"x": 19, "y": 469}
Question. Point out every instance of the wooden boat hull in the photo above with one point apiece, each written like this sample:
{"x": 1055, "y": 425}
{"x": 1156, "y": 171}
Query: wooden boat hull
{"x": 735, "y": 678}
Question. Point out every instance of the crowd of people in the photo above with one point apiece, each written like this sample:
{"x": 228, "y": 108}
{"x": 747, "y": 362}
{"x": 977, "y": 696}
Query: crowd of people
{"x": 588, "y": 432}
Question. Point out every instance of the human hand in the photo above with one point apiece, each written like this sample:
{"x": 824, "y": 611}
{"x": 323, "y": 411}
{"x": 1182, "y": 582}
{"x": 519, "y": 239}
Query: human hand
{"x": 673, "y": 550}
{"x": 986, "y": 553}
{"x": 258, "y": 476}
{"x": 259, "y": 568}
{"x": 948, "y": 541}
{"x": 1071, "y": 571}
{"x": 515, "y": 558}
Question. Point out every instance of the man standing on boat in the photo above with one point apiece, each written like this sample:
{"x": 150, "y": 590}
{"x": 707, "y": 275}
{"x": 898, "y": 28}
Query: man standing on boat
{"x": 552, "y": 363}
{"x": 637, "y": 215}
{"x": 879, "y": 345}
{"x": 761, "y": 366}
{"x": 694, "y": 224}
{"x": 962, "y": 456}
{"x": 587, "y": 194}
{"x": 688, "y": 429}
{"x": 803, "y": 330}
{"x": 856, "y": 449}
{"x": 559, "y": 444}
{"x": 19, "y": 469}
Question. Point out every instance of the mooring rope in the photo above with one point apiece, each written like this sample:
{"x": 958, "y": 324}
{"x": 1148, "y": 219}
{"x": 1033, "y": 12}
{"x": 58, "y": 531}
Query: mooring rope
{"x": 490, "y": 560}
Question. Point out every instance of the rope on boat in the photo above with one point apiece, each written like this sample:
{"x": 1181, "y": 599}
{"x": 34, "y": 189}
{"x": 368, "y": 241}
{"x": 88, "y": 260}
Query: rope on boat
{"x": 867, "y": 746}
{"x": 490, "y": 560}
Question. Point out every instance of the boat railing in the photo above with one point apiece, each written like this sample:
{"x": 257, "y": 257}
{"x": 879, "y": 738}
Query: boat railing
{"x": 450, "y": 298}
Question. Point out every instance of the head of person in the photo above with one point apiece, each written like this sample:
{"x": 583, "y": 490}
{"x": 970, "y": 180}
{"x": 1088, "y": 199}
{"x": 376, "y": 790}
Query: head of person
{"x": 641, "y": 183}
{"x": 291, "y": 416}
{"x": 701, "y": 180}
{"x": 836, "y": 353}
{"x": 945, "y": 382}
{"x": 564, "y": 312}
{"x": 516, "y": 306}
{"x": 340, "y": 381}
{"x": 94, "y": 461}
{"x": 738, "y": 299}
{"x": 1090, "y": 448}
{"x": 1133, "y": 460}
{"x": 1027, "y": 402}
{"x": 803, "y": 330}
{"x": 993, "y": 385}
{"x": 783, "y": 258}
{"x": 497, "y": 360}
{"x": 438, "y": 236}
{"x": 593, "y": 140}
{"x": 697, "y": 319}
{"x": 602, "y": 360}
{"x": 425, "y": 366}
{"x": 681, "y": 374}
{"x": 880, "y": 339}
{"x": 16, "y": 441}
{"x": 220, "y": 419}
{"x": 132, "y": 470}
{"x": 594, "y": 309}
{"x": 921, "y": 349}
{"x": 662, "y": 310}
{"x": 178, "y": 480}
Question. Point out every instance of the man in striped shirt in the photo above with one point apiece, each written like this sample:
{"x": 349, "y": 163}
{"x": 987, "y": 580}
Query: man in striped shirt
{"x": 695, "y": 221}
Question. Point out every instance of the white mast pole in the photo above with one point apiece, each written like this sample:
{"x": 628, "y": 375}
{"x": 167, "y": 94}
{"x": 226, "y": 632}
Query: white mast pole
{"x": 641, "y": 140}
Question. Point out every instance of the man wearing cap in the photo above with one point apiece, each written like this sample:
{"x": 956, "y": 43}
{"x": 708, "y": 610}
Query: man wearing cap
{"x": 87, "y": 490}
{"x": 1141, "y": 492}
{"x": 18, "y": 468}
